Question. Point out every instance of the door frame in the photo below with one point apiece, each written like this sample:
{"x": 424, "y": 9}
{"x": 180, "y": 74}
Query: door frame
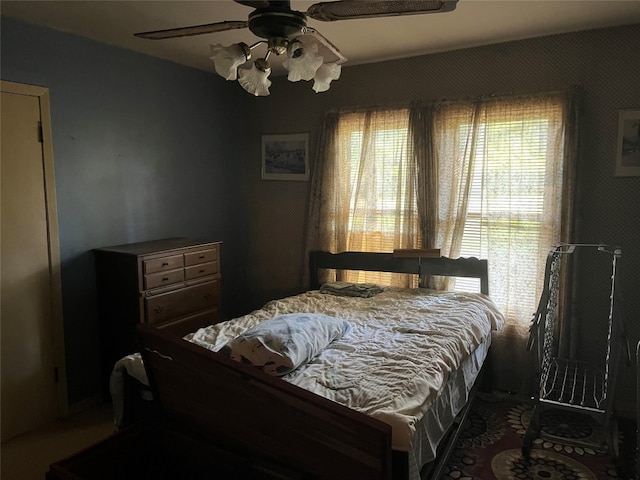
{"x": 42, "y": 94}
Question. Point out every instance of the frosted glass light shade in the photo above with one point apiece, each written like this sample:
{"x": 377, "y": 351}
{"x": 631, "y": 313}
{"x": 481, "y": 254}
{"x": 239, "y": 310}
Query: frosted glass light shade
{"x": 228, "y": 59}
{"x": 302, "y": 61}
{"x": 255, "y": 80}
{"x": 325, "y": 74}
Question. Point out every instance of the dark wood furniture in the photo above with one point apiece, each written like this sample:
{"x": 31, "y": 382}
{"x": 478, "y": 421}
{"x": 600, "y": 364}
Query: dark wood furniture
{"x": 171, "y": 284}
{"x": 399, "y": 263}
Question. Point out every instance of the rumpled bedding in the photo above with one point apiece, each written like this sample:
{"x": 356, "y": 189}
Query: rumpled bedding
{"x": 396, "y": 358}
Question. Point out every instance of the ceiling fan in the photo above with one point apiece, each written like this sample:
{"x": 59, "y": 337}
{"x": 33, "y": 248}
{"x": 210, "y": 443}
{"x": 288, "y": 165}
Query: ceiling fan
{"x": 285, "y": 30}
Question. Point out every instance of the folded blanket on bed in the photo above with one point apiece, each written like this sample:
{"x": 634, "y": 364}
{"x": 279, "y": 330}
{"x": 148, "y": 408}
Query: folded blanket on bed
{"x": 347, "y": 289}
{"x": 281, "y": 344}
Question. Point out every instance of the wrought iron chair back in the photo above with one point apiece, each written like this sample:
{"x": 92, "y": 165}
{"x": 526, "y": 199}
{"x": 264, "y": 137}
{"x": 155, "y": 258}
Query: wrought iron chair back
{"x": 566, "y": 383}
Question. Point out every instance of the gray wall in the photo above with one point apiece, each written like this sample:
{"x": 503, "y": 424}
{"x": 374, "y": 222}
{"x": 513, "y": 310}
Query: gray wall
{"x": 604, "y": 63}
{"x": 141, "y": 151}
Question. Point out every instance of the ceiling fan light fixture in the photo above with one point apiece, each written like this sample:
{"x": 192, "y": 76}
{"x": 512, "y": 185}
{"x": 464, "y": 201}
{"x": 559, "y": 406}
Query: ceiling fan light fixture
{"x": 277, "y": 45}
{"x": 325, "y": 75}
{"x": 303, "y": 61}
{"x": 281, "y": 28}
{"x": 228, "y": 59}
{"x": 276, "y": 21}
{"x": 255, "y": 80}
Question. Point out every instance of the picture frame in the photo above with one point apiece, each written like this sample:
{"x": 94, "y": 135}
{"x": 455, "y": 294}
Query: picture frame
{"x": 285, "y": 157}
{"x": 628, "y": 144}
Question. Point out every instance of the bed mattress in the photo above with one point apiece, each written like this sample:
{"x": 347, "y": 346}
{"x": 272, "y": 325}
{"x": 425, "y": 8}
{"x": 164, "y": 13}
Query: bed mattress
{"x": 406, "y": 351}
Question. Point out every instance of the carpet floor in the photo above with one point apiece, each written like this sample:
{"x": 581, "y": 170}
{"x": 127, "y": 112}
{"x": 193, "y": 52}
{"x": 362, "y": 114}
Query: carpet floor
{"x": 489, "y": 447}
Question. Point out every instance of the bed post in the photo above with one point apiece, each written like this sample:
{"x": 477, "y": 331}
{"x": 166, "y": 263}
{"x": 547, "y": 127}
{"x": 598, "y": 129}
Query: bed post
{"x": 484, "y": 277}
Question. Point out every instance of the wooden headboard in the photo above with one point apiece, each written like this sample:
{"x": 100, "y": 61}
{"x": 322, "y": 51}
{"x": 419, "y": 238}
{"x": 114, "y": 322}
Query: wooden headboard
{"x": 388, "y": 262}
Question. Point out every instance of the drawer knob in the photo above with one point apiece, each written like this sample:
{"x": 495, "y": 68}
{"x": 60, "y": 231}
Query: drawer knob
{"x": 159, "y": 309}
{"x": 165, "y": 279}
{"x": 165, "y": 264}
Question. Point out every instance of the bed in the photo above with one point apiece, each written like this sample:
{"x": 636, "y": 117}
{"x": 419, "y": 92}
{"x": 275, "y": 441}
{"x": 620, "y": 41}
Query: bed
{"x": 379, "y": 397}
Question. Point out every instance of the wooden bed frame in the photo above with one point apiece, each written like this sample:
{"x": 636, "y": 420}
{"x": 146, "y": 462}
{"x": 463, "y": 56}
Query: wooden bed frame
{"x": 272, "y": 422}
{"x": 399, "y": 263}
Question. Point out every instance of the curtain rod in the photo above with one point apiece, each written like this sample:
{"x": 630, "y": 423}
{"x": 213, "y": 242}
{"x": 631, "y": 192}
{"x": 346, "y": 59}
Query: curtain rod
{"x": 491, "y": 96}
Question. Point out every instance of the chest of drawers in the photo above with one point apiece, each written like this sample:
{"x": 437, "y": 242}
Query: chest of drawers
{"x": 172, "y": 284}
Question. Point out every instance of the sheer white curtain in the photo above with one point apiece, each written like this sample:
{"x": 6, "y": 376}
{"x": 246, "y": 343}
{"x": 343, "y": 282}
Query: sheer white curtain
{"x": 364, "y": 188}
{"x": 502, "y": 170}
{"x": 505, "y": 193}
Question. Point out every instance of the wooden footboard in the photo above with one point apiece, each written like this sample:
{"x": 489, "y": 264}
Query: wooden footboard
{"x": 261, "y": 416}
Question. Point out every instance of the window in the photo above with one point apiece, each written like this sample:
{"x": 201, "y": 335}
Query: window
{"x": 494, "y": 186}
{"x": 512, "y": 151}
{"x": 518, "y": 171}
{"x": 377, "y": 170}
{"x": 379, "y": 199}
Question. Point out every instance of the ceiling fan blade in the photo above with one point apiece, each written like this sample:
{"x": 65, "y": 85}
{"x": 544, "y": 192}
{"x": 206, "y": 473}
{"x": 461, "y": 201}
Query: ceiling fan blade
{"x": 261, "y": 3}
{"x": 353, "y": 9}
{"x": 194, "y": 30}
{"x": 324, "y": 41}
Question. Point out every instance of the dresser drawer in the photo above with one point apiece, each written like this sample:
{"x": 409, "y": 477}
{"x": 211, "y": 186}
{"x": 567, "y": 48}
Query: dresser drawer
{"x": 202, "y": 270}
{"x": 179, "y": 303}
{"x": 202, "y": 256}
{"x": 160, "y": 279}
{"x": 163, "y": 264}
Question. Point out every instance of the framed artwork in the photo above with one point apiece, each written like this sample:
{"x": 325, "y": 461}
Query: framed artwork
{"x": 628, "y": 154}
{"x": 285, "y": 157}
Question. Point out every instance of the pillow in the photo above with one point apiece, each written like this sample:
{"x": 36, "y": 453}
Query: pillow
{"x": 283, "y": 343}
{"x": 347, "y": 289}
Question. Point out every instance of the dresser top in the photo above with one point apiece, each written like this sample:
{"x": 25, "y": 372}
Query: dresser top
{"x": 155, "y": 246}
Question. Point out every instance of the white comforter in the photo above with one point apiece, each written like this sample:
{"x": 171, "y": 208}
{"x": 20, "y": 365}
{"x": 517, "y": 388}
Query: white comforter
{"x": 401, "y": 348}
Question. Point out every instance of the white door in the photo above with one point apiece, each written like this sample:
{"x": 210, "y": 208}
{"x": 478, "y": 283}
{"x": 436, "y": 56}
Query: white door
{"x": 30, "y": 315}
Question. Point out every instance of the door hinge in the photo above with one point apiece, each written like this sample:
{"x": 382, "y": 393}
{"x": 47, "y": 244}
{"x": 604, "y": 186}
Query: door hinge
{"x": 40, "y": 133}
{"x": 56, "y": 375}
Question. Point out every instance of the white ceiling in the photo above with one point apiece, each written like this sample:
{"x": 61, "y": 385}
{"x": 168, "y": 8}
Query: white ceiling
{"x": 472, "y": 23}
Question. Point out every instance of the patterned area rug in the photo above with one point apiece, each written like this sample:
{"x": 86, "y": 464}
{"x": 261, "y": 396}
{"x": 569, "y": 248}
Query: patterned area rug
{"x": 489, "y": 447}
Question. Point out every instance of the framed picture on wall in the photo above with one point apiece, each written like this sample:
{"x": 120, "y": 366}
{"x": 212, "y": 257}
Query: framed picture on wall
{"x": 285, "y": 157}
{"x": 628, "y": 154}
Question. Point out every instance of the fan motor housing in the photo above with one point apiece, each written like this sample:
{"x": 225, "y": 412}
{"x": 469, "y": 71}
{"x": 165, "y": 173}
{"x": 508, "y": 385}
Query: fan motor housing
{"x": 274, "y": 22}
